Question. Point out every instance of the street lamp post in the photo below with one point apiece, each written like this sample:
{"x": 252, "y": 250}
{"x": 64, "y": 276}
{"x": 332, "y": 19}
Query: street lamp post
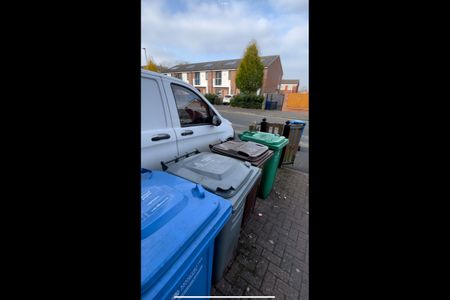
{"x": 145, "y": 51}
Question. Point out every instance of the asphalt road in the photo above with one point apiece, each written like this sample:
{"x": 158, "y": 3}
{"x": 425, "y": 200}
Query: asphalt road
{"x": 242, "y": 118}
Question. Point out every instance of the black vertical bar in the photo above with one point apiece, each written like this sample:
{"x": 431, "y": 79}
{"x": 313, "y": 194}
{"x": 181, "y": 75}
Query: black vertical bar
{"x": 286, "y": 130}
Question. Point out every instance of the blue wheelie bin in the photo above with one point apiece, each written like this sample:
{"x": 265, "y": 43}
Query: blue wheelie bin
{"x": 179, "y": 223}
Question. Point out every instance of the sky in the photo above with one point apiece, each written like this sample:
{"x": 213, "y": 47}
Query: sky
{"x": 176, "y": 31}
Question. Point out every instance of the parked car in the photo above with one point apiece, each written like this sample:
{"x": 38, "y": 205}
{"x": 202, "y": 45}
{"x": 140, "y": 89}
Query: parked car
{"x": 226, "y": 99}
{"x": 176, "y": 119}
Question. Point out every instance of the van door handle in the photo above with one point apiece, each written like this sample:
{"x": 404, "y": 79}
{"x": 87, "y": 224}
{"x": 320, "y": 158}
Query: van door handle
{"x": 187, "y": 132}
{"x": 163, "y": 136}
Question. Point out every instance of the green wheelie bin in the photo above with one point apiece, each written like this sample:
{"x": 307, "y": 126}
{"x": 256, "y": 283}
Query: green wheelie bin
{"x": 276, "y": 143}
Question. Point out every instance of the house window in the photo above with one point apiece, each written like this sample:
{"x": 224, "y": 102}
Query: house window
{"x": 219, "y": 78}
{"x": 206, "y": 75}
{"x": 229, "y": 75}
{"x": 178, "y": 75}
{"x": 197, "y": 78}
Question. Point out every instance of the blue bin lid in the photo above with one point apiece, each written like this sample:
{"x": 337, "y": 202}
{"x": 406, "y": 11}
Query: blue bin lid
{"x": 174, "y": 214}
{"x": 297, "y": 122}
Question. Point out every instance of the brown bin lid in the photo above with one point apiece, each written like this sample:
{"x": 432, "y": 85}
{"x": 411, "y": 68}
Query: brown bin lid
{"x": 250, "y": 150}
{"x": 255, "y": 162}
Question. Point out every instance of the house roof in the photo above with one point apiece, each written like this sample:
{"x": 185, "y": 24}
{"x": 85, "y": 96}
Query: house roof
{"x": 162, "y": 70}
{"x": 229, "y": 64}
{"x": 290, "y": 81}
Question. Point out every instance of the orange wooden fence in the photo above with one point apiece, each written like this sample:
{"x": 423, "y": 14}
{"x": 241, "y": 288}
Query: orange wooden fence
{"x": 296, "y": 101}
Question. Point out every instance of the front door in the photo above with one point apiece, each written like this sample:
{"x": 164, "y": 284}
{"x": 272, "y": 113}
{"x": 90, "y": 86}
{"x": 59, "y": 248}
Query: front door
{"x": 201, "y": 90}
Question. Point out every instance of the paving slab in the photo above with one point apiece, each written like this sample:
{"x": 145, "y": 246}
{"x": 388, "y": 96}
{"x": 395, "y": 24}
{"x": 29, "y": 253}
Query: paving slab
{"x": 272, "y": 256}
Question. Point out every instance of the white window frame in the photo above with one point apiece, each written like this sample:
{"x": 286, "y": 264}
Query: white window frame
{"x": 215, "y": 79}
{"x": 195, "y": 78}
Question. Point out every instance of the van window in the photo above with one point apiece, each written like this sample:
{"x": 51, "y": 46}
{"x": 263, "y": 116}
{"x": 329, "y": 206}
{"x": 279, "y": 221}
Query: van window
{"x": 152, "y": 110}
{"x": 192, "y": 110}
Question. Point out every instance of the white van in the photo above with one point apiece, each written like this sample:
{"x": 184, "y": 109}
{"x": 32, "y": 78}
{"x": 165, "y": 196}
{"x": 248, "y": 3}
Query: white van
{"x": 176, "y": 119}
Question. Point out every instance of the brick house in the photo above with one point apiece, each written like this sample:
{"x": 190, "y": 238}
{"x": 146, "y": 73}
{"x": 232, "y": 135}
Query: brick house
{"x": 289, "y": 86}
{"x": 219, "y": 77}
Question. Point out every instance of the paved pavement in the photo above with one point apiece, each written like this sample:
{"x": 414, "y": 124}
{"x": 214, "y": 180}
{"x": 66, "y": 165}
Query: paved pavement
{"x": 301, "y": 162}
{"x": 273, "y": 254}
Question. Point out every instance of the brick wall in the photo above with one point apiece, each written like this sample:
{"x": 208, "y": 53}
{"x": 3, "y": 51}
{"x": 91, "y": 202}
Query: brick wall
{"x": 233, "y": 81}
{"x": 190, "y": 77}
{"x": 289, "y": 88}
{"x": 224, "y": 91}
{"x": 272, "y": 77}
{"x": 210, "y": 81}
{"x": 202, "y": 90}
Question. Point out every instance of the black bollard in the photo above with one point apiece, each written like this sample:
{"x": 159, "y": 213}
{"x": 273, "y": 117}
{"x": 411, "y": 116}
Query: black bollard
{"x": 263, "y": 127}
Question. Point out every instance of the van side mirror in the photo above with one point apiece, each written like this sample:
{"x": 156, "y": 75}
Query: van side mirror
{"x": 216, "y": 120}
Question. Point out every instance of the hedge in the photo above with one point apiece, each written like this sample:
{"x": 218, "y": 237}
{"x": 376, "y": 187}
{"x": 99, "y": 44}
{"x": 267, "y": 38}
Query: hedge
{"x": 212, "y": 98}
{"x": 247, "y": 101}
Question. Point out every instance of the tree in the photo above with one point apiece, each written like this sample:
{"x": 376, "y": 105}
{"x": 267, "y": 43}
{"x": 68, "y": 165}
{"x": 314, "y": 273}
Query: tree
{"x": 250, "y": 72}
{"x": 162, "y": 67}
{"x": 151, "y": 66}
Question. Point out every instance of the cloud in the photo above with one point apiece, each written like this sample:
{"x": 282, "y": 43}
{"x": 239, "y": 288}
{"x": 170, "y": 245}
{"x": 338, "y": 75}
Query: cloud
{"x": 197, "y": 31}
{"x": 203, "y": 28}
{"x": 289, "y": 5}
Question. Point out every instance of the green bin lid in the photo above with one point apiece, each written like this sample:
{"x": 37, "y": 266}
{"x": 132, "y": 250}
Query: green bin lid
{"x": 273, "y": 141}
